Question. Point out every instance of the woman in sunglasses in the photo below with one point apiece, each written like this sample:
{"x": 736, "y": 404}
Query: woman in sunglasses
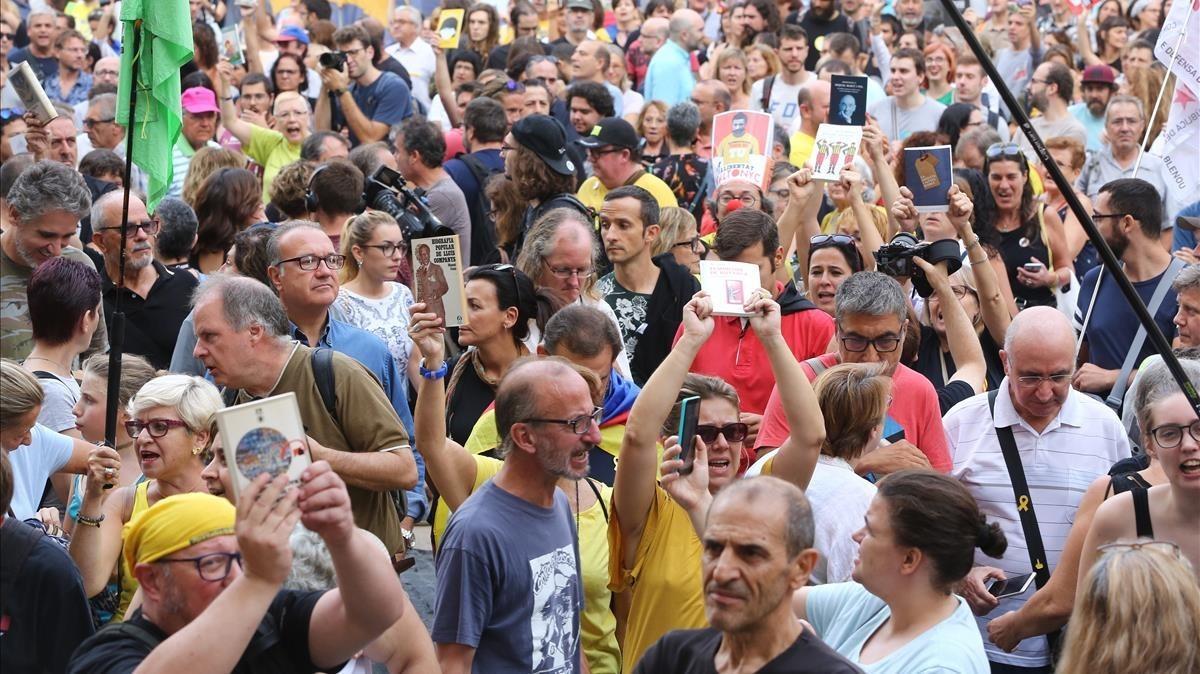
{"x": 170, "y": 421}
{"x": 1030, "y": 236}
{"x": 655, "y": 521}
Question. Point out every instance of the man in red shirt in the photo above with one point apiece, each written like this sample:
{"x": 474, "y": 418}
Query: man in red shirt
{"x": 872, "y": 317}
{"x": 734, "y": 353}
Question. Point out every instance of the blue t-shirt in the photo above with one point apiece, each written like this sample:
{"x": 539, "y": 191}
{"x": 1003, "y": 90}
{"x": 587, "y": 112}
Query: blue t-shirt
{"x": 845, "y": 615}
{"x": 517, "y": 599}
{"x": 1182, "y": 237}
{"x": 47, "y": 453}
{"x": 385, "y": 100}
{"x": 1113, "y": 325}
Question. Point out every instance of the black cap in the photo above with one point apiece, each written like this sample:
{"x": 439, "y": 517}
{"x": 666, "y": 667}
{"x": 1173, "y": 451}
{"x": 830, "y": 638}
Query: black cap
{"x": 545, "y": 137}
{"x": 612, "y": 131}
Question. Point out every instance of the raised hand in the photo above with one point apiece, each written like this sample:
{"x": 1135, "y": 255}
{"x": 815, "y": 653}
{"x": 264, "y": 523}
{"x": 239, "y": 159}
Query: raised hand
{"x": 427, "y": 333}
{"x": 852, "y": 182}
{"x": 960, "y": 210}
{"x": 691, "y": 490}
{"x": 698, "y": 322}
{"x": 266, "y": 515}
{"x": 325, "y": 504}
{"x": 103, "y": 468}
{"x": 904, "y": 211}
{"x": 764, "y": 315}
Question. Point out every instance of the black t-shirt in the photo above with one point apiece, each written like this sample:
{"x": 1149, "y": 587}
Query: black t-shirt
{"x": 469, "y": 400}
{"x": 279, "y": 645}
{"x": 952, "y": 394}
{"x": 930, "y": 359}
{"x": 152, "y": 324}
{"x": 692, "y": 652}
{"x": 818, "y": 28}
{"x": 46, "y": 612}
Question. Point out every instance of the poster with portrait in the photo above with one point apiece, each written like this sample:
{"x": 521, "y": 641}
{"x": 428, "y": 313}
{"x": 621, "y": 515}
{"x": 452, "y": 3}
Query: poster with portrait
{"x": 233, "y": 45}
{"x": 929, "y": 173}
{"x": 834, "y": 149}
{"x": 742, "y": 142}
{"x": 263, "y": 436}
{"x": 848, "y": 100}
{"x": 450, "y": 24}
{"x": 438, "y": 278}
{"x": 729, "y": 285}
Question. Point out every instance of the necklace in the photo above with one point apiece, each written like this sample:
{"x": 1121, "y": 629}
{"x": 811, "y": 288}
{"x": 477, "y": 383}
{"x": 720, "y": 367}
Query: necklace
{"x": 47, "y": 360}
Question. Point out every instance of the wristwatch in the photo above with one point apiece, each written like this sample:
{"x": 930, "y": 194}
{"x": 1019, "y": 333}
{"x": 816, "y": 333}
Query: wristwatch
{"x": 410, "y": 539}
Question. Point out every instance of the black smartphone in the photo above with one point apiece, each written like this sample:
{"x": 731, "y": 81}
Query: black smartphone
{"x": 1010, "y": 587}
{"x": 895, "y": 437}
{"x": 689, "y": 416}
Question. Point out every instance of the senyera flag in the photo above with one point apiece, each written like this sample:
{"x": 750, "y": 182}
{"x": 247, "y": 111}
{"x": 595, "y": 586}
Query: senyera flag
{"x": 158, "y": 35}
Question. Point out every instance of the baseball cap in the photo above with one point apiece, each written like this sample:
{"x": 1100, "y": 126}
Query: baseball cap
{"x": 1099, "y": 74}
{"x": 580, "y": 4}
{"x": 545, "y": 137}
{"x": 292, "y": 33}
{"x": 199, "y": 99}
{"x": 612, "y": 131}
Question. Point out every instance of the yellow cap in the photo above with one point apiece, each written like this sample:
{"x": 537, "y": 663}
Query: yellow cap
{"x": 175, "y": 523}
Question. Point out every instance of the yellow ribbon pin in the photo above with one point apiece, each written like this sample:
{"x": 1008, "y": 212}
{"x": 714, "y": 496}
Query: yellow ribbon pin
{"x": 1038, "y": 565}
{"x": 1023, "y": 503}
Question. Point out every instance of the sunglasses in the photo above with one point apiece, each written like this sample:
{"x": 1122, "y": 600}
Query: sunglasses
{"x": 998, "y": 150}
{"x": 733, "y": 432}
{"x": 843, "y": 242}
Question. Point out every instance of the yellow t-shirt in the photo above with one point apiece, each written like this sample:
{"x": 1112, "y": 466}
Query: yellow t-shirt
{"x": 592, "y": 191}
{"x": 738, "y": 149}
{"x": 127, "y": 581}
{"x": 598, "y": 625}
{"x": 666, "y": 586}
{"x": 272, "y": 151}
{"x": 802, "y": 145}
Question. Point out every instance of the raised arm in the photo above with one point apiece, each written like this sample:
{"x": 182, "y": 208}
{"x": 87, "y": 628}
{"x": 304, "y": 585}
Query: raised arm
{"x": 230, "y": 119}
{"x": 992, "y": 303}
{"x": 889, "y": 190}
{"x": 447, "y": 464}
{"x": 872, "y": 240}
{"x": 1083, "y": 41}
{"x": 797, "y": 456}
{"x": 960, "y": 334}
{"x": 95, "y": 550}
{"x": 250, "y": 31}
{"x": 799, "y": 219}
{"x": 633, "y": 491}
{"x": 442, "y": 80}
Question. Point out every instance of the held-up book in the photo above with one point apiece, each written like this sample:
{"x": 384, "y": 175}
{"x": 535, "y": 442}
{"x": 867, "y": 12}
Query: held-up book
{"x": 834, "y": 149}
{"x": 848, "y": 100}
{"x": 729, "y": 285}
{"x": 263, "y": 436}
{"x": 742, "y": 142}
{"x": 29, "y": 90}
{"x": 450, "y": 23}
{"x": 929, "y": 173}
{"x": 233, "y": 45}
{"x": 438, "y": 278}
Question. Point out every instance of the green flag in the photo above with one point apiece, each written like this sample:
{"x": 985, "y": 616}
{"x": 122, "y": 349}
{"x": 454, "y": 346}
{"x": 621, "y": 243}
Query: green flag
{"x": 158, "y": 34}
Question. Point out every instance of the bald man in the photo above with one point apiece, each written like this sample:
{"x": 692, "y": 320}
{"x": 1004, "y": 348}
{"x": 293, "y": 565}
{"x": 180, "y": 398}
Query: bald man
{"x": 669, "y": 78}
{"x": 814, "y": 110}
{"x": 1061, "y": 440}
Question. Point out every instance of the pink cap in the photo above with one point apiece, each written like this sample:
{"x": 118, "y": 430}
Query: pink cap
{"x": 199, "y": 99}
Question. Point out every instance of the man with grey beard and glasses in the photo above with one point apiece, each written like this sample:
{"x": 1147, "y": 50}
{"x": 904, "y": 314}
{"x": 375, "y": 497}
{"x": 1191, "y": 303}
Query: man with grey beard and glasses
{"x": 155, "y": 299}
{"x": 41, "y": 219}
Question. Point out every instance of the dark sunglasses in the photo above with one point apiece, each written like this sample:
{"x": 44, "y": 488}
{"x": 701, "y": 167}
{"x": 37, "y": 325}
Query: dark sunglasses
{"x": 732, "y": 432}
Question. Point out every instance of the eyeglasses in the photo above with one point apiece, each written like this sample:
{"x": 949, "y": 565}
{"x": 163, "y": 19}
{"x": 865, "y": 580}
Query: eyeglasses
{"x": 333, "y": 261}
{"x": 601, "y": 151}
{"x": 998, "y": 150}
{"x": 387, "y": 248}
{"x": 1170, "y": 436}
{"x": 150, "y": 227}
{"x": 733, "y": 432}
{"x": 1036, "y": 381}
{"x": 156, "y": 427}
{"x": 578, "y": 425}
{"x": 1101, "y": 216}
{"x": 747, "y": 199}
{"x": 695, "y": 244}
{"x": 1162, "y": 546}
{"x": 565, "y": 273}
{"x": 212, "y": 567}
{"x": 855, "y": 344}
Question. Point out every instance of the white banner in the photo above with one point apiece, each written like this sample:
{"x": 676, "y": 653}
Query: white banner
{"x": 1187, "y": 61}
{"x": 1180, "y": 138}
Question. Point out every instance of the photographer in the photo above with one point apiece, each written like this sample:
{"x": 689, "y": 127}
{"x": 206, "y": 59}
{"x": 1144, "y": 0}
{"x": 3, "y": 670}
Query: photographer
{"x": 420, "y": 148}
{"x": 371, "y": 101}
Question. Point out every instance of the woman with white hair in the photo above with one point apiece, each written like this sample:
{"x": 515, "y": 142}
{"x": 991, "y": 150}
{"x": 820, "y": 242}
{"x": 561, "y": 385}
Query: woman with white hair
{"x": 169, "y": 420}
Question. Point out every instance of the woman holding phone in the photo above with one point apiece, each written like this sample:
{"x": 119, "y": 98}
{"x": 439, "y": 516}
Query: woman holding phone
{"x": 656, "y": 553}
{"x": 900, "y": 614}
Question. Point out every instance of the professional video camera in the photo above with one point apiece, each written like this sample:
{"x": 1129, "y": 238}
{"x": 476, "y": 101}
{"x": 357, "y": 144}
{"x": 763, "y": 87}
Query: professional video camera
{"x": 333, "y": 59}
{"x": 895, "y": 259}
{"x": 386, "y": 190}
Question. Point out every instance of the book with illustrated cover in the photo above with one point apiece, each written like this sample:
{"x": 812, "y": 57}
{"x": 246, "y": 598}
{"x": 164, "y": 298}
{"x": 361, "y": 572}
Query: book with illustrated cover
{"x": 742, "y": 142}
{"x": 929, "y": 173}
{"x": 729, "y": 285}
{"x": 438, "y": 278}
{"x": 450, "y": 25}
{"x": 848, "y": 100}
{"x": 263, "y": 436}
{"x": 834, "y": 149}
{"x": 29, "y": 90}
{"x": 233, "y": 45}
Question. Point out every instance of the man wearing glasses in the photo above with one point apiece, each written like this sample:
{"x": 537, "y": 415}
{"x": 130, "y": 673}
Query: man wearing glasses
{"x": 211, "y": 579}
{"x": 155, "y": 299}
{"x": 369, "y": 100}
{"x": 510, "y": 603}
{"x": 1062, "y": 440}
{"x": 613, "y": 148}
{"x": 871, "y": 317}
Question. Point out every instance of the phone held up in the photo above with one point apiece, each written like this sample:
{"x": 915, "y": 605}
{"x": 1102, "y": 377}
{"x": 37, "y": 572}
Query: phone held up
{"x": 689, "y": 416}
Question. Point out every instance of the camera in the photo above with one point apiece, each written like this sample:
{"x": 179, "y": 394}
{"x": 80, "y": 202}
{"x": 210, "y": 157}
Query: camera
{"x": 386, "y": 190}
{"x": 333, "y": 59}
{"x": 896, "y": 259}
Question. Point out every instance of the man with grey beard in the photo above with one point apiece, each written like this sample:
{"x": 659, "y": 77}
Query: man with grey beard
{"x": 41, "y": 217}
{"x": 155, "y": 300}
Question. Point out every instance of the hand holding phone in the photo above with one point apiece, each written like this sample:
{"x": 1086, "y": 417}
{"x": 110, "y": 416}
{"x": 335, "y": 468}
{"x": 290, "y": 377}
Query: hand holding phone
{"x": 1033, "y": 267}
{"x": 1010, "y": 587}
{"x": 689, "y": 417}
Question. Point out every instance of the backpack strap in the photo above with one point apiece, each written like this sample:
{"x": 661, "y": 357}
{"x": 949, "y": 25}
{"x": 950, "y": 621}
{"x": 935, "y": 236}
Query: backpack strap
{"x": 1117, "y": 395}
{"x": 321, "y": 359}
{"x": 132, "y": 631}
{"x": 768, "y": 85}
{"x": 1141, "y": 512}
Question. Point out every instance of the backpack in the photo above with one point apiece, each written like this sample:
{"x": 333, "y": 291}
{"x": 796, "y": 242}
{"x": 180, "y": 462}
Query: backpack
{"x": 321, "y": 360}
{"x": 483, "y": 226}
{"x": 19, "y": 540}
{"x": 768, "y": 85}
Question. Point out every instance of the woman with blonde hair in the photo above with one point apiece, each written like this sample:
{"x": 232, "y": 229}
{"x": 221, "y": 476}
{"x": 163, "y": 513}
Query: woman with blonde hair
{"x": 207, "y": 161}
{"x": 678, "y": 235}
{"x": 617, "y": 75}
{"x": 761, "y": 61}
{"x": 652, "y": 126}
{"x": 733, "y": 70}
{"x": 370, "y": 297}
{"x": 1131, "y": 582}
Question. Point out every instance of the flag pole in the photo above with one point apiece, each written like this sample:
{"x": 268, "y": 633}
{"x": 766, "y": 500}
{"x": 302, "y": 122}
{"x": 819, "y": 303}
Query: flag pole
{"x": 116, "y": 334}
{"x": 1107, "y": 258}
{"x": 1162, "y": 90}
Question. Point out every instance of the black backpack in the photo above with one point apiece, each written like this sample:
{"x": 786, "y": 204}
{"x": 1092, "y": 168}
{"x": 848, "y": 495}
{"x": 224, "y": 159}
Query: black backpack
{"x": 483, "y": 226}
{"x": 321, "y": 359}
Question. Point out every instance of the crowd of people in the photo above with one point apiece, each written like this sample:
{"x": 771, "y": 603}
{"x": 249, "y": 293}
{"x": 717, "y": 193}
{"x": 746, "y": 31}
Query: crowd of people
{"x": 983, "y": 465}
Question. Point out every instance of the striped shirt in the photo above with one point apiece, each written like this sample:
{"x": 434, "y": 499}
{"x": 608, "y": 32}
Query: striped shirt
{"x": 1078, "y": 446}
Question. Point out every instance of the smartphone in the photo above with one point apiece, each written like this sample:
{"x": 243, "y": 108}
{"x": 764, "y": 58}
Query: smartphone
{"x": 689, "y": 416}
{"x": 1033, "y": 267}
{"x": 1010, "y": 587}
